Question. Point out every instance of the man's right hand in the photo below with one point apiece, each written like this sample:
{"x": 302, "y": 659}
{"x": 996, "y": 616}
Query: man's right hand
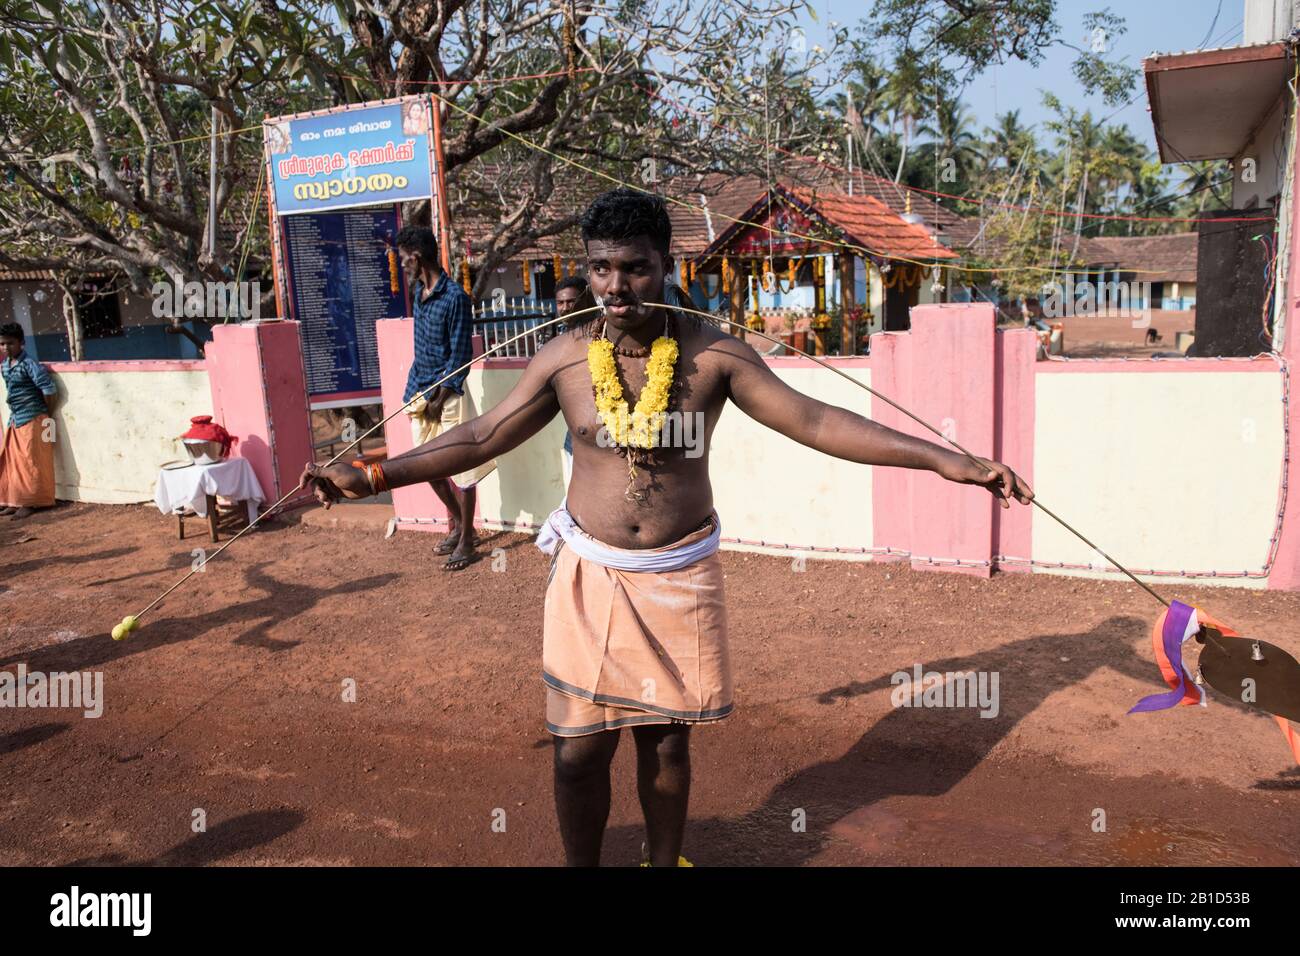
{"x": 433, "y": 411}
{"x": 329, "y": 483}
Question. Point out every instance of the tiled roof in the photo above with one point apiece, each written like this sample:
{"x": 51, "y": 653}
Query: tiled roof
{"x": 1169, "y": 258}
{"x": 873, "y": 225}
{"x": 702, "y": 206}
{"x": 573, "y": 192}
{"x": 954, "y": 231}
{"x": 729, "y": 197}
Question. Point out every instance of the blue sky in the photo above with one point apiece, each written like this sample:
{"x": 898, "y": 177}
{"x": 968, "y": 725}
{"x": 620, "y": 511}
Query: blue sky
{"x": 1164, "y": 26}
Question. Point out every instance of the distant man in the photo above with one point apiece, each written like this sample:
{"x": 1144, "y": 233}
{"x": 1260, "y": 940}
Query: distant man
{"x": 567, "y": 294}
{"x": 443, "y": 343}
{"x": 27, "y": 453}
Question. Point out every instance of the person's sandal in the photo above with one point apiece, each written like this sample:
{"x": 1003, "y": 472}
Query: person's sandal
{"x": 448, "y": 544}
{"x": 458, "y": 564}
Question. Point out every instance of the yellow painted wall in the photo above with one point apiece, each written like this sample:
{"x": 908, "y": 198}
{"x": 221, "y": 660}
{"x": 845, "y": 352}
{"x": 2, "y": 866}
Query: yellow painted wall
{"x": 114, "y": 430}
{"x": 1168, "y": 471}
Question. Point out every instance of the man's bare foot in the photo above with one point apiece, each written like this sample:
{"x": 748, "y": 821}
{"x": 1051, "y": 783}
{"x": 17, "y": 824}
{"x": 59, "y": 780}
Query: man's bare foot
{"x": 463, "y": 555}
{"x": 22, "y": 513}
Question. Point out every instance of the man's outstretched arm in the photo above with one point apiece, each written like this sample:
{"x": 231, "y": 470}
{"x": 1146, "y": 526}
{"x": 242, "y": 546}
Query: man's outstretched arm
{"x": 758, "y": 392}
{"x": 512, "y": 421}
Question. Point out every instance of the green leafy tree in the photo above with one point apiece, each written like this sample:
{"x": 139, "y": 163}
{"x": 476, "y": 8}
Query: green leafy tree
{"x": 966, "y": 36}
{"x": 116, "y": 97}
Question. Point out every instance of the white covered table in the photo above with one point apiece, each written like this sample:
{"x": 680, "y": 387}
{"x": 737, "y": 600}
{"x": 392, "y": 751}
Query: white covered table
{"x": 196, "y": 487}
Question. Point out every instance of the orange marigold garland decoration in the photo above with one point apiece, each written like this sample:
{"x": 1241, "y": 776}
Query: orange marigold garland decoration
{"x": 528, "y": 277}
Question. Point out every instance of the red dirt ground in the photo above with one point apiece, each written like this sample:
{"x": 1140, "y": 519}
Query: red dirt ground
{"x": 229, "y": 700}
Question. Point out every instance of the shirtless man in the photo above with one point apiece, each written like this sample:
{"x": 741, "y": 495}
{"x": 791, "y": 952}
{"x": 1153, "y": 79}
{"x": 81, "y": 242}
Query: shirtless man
{"x": 635, "y": 626}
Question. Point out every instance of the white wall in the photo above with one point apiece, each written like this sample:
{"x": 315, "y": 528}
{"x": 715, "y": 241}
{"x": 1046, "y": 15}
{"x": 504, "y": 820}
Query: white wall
{"x": 769, "y": 488}
{"x": 114, "y": 429}
{"x": 1163, "y": 470}
{"x": 1267, "y": 20}
{"x": 1269, "y": 150}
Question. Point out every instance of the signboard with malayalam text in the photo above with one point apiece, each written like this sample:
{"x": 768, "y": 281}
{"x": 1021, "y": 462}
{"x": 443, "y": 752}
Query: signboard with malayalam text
{"x": 337, "y": 178}
{"x": 356, "y": 156}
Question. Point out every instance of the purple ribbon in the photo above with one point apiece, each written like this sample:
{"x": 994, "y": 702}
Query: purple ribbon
{"x": 1177, "y": 620}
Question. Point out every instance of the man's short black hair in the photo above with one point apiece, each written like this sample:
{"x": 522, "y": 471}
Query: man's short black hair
{"x": 11, "y": 330}
{"x": 623, "y": 214}
{"x": 573, "y": 282}
{"x": 419, "y": 239}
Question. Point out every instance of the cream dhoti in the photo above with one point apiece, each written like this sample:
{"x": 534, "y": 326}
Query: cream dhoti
{"x": 633, "y": 636}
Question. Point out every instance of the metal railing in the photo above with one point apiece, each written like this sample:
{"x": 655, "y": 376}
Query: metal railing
{"x": 501, "y": 319}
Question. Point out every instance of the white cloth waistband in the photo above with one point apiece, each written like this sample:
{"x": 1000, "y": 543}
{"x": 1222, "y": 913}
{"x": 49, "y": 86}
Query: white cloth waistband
{"x": 560, "y": 525}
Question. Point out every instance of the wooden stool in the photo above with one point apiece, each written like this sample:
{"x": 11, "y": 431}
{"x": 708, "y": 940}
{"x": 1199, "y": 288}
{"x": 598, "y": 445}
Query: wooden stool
{"x": 213, "y": 518}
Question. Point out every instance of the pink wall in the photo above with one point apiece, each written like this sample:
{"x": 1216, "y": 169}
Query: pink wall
{"x": 259, "y": 393}
{"x": 396, "y": 341}
{"x": 943, "y": 372}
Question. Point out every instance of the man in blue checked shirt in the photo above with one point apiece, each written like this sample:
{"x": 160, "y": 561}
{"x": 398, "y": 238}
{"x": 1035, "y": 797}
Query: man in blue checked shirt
{"x": 27, "y": 454}
{"x": 443, "y": 343}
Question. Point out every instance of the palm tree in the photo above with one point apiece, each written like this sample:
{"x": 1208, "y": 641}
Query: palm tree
{"x": 1206, "y": 185}
{"x": 862, "y": 102}
{"x": 906, "y": 99}
{"x": 1130, "y": 155}
{"x": 1092, "y": 159}
{"x": 952, "y": 136}
{"x": 1008, "y": 140}
{"x": 1145, "y": 195}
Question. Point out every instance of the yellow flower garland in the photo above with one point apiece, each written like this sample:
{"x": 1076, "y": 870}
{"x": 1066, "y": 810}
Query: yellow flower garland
{"x": 639, "y": 428}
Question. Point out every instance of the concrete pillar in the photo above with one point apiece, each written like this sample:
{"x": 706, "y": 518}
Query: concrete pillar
{"x": 943, "y": 370}
{"x": 259, "y": 393}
